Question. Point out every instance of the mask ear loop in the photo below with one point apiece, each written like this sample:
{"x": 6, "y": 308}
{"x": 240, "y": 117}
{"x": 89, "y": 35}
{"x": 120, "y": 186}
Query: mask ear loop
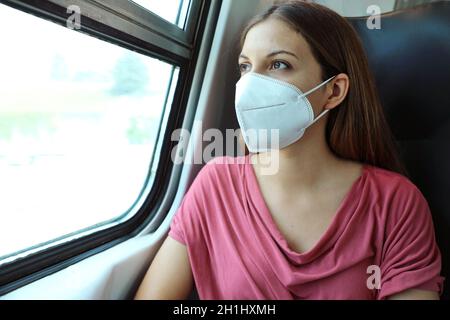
{"x": 317, "y": 87}
{"x": 319, "y": 116}
{"x": 314, "y": 89}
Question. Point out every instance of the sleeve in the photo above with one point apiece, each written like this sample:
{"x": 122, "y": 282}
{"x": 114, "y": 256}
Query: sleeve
{"x": 189, "y": 219}
{"x": 410, "y": 257}
{"x": 176, "y": 226}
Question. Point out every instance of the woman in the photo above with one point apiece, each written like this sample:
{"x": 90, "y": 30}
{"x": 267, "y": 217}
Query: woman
{"x": 338, "y": 219}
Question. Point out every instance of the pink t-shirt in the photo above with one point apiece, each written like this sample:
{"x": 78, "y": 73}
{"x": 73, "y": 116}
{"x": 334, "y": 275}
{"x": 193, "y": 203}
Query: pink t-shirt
{"x": 236, "y": 250}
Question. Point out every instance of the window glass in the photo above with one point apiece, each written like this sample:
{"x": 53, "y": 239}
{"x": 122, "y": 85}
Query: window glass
{"x": 174, "y": 11}
{"x": 79, "y": 120}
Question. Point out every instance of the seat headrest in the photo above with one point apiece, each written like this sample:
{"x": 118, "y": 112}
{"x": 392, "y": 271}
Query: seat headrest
{"x": 410, "y": 59}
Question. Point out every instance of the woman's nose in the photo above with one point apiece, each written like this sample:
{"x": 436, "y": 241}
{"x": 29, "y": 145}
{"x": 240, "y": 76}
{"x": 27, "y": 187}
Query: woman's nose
{"x": 258, "y": 68}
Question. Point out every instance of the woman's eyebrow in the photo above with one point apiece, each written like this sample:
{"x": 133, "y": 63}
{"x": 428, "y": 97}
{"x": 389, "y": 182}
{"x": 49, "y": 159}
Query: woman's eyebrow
{"x": 273, "y": 54}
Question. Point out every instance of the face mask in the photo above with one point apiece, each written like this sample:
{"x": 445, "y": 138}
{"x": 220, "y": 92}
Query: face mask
{"x": 272, "y": 114}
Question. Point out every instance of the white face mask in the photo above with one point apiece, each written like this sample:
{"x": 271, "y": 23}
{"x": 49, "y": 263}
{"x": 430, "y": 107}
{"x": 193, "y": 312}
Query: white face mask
{"x": 265, "y": 106}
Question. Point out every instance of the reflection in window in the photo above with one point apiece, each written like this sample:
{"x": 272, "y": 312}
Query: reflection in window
{"x": 403, "y": 4}
{"x": 79, "y": 120}
{"x": 174, "y": 11}
{"x": 357, "y": 8}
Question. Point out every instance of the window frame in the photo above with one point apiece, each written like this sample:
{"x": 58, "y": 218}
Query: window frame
{"x": 131, "y": 31}
{"x": 153, "y": 21}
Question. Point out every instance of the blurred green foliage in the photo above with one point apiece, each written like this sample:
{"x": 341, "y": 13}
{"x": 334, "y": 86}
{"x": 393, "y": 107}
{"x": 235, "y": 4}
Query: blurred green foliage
{"x": 26, "y": 124}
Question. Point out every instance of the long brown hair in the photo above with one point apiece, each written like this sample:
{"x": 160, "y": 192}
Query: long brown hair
{"x": 356, "y": 130}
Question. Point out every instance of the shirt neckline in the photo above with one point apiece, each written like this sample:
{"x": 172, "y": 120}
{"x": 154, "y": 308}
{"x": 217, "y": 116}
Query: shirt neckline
{"x": 338, "y": 223}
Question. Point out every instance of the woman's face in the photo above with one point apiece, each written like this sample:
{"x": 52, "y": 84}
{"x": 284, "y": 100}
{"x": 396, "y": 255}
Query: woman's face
{"x": 272, "y": 48}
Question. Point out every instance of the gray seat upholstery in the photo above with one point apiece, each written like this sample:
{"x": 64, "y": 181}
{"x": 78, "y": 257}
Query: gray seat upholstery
{"x": 410, "y": 59}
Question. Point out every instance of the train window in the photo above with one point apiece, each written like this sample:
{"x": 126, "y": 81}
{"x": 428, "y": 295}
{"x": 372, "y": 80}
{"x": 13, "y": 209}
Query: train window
{"x": 174, "y": 11}
{"x": 79, "y": 121}
{"x": 90, "y": 94}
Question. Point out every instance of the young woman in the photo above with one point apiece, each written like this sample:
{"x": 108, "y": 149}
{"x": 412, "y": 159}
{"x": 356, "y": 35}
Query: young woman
{"x": 338, "y": 219}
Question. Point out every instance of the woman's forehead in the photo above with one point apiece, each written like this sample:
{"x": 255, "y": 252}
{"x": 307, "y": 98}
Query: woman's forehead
{"x": 271, "y": 35}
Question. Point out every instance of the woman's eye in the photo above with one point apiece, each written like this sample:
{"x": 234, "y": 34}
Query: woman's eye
{"x": 279, "y": 65}
{"x": 243, "y": 67}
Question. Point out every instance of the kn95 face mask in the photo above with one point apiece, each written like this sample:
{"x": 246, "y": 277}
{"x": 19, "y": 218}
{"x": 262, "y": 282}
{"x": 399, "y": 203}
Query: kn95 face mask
{"x": 265, "y": 105}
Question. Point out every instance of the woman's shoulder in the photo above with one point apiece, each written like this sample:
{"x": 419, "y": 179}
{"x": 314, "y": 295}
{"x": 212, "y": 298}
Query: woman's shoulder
{"x": 221, "y": 172}
{"x": 227, "y": 160}
{"x": 223, "y": 164}
{"x": 394, "y": 188}
{"x": 389, "y": 179}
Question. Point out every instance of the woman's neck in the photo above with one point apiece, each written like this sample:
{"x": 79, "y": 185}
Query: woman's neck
{"x": 305, "y": 165}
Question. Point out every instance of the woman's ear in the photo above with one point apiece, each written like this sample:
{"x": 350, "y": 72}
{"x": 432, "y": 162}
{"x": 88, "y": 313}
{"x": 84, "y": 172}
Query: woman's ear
{"x": 337, "y": 90}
